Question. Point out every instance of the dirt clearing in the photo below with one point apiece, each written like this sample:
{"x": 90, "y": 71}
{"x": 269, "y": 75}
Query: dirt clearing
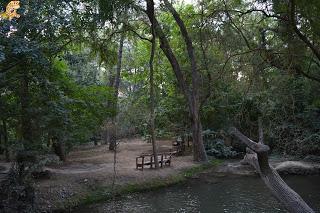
{"x": 89, "y": 167}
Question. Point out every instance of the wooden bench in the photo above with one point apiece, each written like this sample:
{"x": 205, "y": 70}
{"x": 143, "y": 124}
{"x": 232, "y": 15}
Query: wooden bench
{"x": 148, "y": 160}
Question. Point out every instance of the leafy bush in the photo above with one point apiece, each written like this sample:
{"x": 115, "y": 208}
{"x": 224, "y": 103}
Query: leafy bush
{"x": 216, "y": 147}
{"x": 310, "y": 145}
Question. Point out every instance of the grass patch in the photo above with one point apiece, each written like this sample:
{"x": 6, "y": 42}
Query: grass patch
{"x": 200, "y": 168}
{"x": 103, "y": 194}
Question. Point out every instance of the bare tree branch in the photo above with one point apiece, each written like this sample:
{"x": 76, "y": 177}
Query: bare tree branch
{"x": 304, "y": 38}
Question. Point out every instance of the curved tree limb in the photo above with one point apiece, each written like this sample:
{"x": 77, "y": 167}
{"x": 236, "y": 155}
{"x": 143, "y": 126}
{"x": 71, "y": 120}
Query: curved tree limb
{"x": 257, "y": 156}
{"x": 166, "y": 48}
{"x": 199, "y": 152}
{"x": 191, "y": 94}
{"x": 303, "y": 37}
{"x": 256, "y": 147}
{"x": 273, "y": 62}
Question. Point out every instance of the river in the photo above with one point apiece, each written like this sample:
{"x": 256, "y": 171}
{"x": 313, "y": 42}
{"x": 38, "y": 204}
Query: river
{"x": 224, "y": 194}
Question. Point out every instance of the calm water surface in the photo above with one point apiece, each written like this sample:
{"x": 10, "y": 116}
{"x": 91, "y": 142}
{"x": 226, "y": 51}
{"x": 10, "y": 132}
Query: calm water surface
{"x": 236, "y": 194}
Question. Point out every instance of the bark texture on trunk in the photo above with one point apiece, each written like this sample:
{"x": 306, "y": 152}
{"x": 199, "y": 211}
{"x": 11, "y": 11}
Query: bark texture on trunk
{"x": 111, "y": 129}
{"x": 257, "y": 156}
{"x": 191, "y": 95}
{"x": 111, "y": 134}
{"x": 150, "y": 10}
{"x": 199, "y": 153}
{"x": 5, "y": 141}
{"x": 59, "y": 149}
{"x": 25, "y": 122}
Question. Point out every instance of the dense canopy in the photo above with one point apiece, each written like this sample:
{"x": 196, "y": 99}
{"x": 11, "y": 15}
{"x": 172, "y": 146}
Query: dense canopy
{"x": 77, "y": 71}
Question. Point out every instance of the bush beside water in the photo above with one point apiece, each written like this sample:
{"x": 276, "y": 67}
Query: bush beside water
{"x": 215, "y": 146}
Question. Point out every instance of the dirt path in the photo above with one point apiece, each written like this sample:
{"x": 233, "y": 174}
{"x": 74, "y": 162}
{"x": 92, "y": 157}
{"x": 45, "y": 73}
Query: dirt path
{"x": 89, "y": 167}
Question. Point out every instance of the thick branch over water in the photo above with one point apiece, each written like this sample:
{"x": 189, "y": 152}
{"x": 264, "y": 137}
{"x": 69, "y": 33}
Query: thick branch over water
{"x": 257, "y": 156}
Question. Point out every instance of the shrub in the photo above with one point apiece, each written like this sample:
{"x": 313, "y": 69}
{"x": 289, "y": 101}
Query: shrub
{"x": 216, "y": 147}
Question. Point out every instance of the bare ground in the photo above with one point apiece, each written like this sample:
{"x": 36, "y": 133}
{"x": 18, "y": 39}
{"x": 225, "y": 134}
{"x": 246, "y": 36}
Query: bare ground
{"x": 89, "y": 167}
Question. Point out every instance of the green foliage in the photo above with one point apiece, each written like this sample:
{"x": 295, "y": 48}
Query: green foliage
{"x": 57, "y": 60}
{"x": 109, "y": 10}
{"x": 39, "y": 98}
{"x": 57, "y": 68}
{"x": 242, "y": 83}
{"x": 216, "y": 147}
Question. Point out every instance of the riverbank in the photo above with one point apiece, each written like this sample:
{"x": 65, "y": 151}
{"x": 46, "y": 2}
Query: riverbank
{"x": 207, "y": 188}
{"x": 107, "y": 193}
{"x": 87, "y": 176}
{"x": 211, "y": 194}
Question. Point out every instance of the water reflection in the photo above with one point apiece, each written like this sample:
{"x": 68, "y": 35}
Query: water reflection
{"x": 241, "y": 194}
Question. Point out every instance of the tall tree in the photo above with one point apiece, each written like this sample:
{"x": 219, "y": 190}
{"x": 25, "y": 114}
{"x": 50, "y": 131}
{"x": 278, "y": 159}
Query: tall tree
{"x": 151, "y": 76}
{"x": 191, "y": 94}
{"x": 112, "y": 134}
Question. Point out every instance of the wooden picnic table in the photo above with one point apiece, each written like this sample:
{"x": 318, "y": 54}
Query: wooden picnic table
{"x": 146, "y": 159}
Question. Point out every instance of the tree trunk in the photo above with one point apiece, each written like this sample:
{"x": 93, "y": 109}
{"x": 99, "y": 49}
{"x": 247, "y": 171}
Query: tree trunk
{"x": 112, "y": 134}
{"x": 5, "y": 140}
{"x": 111, "y": 137}
{"x": 150, "y": 7}
{"x": 192, "y": 96}
{"x": 199, "y": 153}
{"x": 1, "y": 138}
{"x": 59, "y": 150}
{"x": 257, "y": 156}
{"x": 25, "y": 122}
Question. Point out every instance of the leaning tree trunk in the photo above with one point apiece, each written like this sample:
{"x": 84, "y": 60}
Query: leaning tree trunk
{"x": 199, "y": 153}
{"x": 257, "y": 156}
{"x": 192, "y": 95}
{"x": 152, "y": 114}
{"x": 112, "y": 133}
